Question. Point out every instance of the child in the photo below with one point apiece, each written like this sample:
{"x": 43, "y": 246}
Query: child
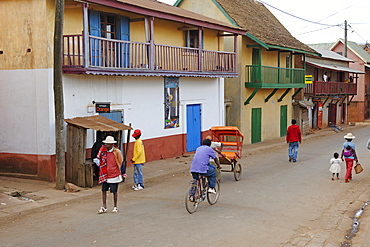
{"x": 138, "y": 159}
{"x": 335, "y": 166}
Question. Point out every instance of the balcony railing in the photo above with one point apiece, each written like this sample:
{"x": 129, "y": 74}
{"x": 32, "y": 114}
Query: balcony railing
{"x": 275, "y": 76}
{"x": 128, "y": 55}
{"x": 331, "y": 88}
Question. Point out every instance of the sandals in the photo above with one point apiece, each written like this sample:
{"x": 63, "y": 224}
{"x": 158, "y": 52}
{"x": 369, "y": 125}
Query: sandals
{"x": 102, "y": 210}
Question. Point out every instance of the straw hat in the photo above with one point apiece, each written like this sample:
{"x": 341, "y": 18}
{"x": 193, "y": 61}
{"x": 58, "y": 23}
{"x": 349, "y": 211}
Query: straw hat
{"x": 349, "y": 136}
{"x": 109, "y": 139}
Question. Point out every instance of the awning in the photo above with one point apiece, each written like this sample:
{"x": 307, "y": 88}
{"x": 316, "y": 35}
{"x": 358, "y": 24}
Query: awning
{"x": 97, "y": 123}
{"x": 305, "y": 104}
{"x": 334, "y": 67}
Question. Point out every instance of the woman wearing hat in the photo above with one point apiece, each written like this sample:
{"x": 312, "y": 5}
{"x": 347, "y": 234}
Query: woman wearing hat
{"x": 349, "y": 147}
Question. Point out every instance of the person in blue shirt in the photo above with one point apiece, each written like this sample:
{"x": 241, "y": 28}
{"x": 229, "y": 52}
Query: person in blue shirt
{"x": 349, "y": 154}
{"x": 201, "y": 165}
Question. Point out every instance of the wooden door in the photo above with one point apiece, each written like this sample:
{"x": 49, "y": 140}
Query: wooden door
{"x": 256, "y": 125}
{"x": 283, "y": 120}
{"x": 76, "y": 155}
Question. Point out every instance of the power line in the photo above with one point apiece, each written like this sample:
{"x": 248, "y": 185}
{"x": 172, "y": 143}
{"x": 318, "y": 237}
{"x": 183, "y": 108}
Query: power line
{"x": 314, "y": 22}
{"x": 315, "y": 30}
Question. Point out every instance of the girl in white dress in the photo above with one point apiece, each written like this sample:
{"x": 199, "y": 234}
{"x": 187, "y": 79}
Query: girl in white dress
{"x": 335, "y": 166}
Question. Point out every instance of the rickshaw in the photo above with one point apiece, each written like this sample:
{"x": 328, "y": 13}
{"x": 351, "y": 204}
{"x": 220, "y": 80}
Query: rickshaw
{"x": 232, "y": 143}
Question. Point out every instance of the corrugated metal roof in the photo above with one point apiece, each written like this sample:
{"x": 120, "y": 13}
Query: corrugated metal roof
{"x": 169, "y": 12}
{"x": 331, "y": 54}
{"x": 97, "y": 123}
{"x": 355, "y": 48}
{"x": 335, "y": 67}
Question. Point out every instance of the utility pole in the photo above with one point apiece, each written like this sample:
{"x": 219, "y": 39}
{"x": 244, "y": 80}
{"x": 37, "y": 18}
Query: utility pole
{"x": 345, "y": 38}
{"x": 58, "y": 95}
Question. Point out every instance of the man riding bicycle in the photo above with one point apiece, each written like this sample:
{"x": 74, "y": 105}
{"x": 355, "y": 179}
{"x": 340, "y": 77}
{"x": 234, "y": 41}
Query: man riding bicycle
{"x": 201, "y": 165}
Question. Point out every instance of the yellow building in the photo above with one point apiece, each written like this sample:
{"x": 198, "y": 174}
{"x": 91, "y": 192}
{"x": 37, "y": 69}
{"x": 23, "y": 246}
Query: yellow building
{"x": 271, "y": 66}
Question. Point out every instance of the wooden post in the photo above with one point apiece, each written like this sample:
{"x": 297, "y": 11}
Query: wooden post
{"x": 58, "y": 96}
{"x": 85, "y": 35}
{"x": 151, "y": 41}
{"x": 235, "y": 53}
{"x": 200, "y": 49}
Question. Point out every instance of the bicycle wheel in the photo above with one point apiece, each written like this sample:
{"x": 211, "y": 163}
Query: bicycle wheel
{"x": 237, "y": 172}
{"x": 211, "y": 197}
{"x": 191, "y": 199}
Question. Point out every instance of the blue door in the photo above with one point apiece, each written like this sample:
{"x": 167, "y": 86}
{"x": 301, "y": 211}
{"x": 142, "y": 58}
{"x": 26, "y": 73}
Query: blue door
{"x": 94, "y": 22}
{"x": 125, "y": 35}
{"x": 193, "y": 127}
{"x": 122, "y": 33}
{"x": 115, "y": 116}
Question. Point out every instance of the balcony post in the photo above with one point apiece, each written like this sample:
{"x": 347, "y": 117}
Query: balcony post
{"x": 85, "y": 35}
{"x": 235, "y": 69}
{"x": 151, "y": 43}
{"x": 200, "y": 51}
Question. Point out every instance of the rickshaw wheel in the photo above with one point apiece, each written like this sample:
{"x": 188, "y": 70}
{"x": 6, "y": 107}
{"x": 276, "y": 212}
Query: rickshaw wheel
{"x": 237, "y": 171}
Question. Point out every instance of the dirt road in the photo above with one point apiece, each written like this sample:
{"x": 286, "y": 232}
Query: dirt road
{"x": 276, "y": 203}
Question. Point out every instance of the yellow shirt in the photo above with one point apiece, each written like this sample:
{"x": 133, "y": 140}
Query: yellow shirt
{"x": 139, "y": 152}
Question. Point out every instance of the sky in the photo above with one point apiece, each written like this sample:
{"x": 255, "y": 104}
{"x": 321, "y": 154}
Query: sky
{"x": 321, "y": 21}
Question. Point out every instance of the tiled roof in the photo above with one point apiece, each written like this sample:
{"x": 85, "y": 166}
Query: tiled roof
{"x": 261, "y": 23}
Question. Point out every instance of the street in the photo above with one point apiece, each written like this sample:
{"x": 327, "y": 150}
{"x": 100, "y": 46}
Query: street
{"x": 276, "y": 203}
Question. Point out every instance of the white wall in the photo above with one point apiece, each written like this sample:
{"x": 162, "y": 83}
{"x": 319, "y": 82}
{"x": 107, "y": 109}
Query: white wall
{"x": 27, "y": 100}
{"x": 141, "y": 99}
{"x": 27, "y": 112}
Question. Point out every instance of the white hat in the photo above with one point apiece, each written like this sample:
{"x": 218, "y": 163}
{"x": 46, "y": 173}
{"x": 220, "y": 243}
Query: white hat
{"x": 349, "y": 136}
{"x": 109, "y": 139}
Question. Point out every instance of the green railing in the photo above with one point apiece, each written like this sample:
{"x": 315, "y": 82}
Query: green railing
{"x": 274, "y": 75}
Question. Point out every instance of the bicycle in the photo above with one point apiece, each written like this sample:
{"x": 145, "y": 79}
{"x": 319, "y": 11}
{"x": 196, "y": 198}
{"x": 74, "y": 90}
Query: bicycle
{"x": 198, "y": 192}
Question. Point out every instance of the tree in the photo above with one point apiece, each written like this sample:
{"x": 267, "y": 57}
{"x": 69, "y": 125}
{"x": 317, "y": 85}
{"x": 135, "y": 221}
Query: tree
{"x": 58, "y": 95}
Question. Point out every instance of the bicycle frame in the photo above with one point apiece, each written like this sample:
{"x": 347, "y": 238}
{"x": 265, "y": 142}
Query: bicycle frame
{"x": 198, "y": 192}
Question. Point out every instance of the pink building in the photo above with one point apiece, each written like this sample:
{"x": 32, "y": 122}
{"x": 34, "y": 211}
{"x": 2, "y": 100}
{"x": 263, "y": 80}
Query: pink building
{"x": 359, "y": 107}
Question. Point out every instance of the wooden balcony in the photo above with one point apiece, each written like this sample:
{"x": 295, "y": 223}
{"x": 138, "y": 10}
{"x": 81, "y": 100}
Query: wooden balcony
{"x": 274, "y": 77}
{"x": 107, "y": 56}
{"x": 331, "y": 88}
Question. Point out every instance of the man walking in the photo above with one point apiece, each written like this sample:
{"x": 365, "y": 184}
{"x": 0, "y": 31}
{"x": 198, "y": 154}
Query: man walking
{"x": 293, "y": 136}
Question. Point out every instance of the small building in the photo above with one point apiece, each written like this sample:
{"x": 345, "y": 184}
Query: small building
{"x": 331, "y": 89}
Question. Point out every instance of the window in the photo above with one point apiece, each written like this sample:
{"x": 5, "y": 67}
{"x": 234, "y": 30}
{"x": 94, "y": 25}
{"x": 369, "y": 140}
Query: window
{"x": 287, "y": 65}
{"x": 108, "y": 26}
{"x": 192, "y": 38}
{"x": 171, "y": 102}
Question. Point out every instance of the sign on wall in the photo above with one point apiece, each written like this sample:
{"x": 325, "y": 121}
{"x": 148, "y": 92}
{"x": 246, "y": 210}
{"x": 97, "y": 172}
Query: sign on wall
{"x": 308, "y": 79}
{"x": 101, "y": 107}
{"x": 171, "y": 102}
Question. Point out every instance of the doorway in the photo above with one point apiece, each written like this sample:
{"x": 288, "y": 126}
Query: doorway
{"x": 193, "y": 127}
{"x": 283, "y": 120}
{"x": 256, "y": 125}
